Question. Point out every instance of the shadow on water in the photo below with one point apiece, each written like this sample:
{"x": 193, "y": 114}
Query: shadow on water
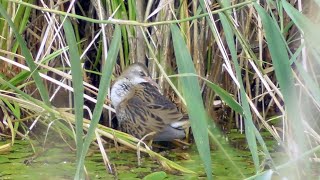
{"x": 58, "y": 162}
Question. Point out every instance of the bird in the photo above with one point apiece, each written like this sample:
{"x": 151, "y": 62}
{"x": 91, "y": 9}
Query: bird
{"x": 142, "y": 110}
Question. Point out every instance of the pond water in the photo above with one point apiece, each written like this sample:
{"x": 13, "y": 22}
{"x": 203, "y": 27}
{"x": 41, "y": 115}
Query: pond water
{"x": 58, "y": 162}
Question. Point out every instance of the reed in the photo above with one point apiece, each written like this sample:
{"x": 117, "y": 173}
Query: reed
{"x": 258, "y": 59}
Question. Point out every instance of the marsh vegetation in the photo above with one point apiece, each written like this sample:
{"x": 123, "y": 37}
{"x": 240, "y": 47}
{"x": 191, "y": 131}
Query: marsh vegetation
{"x": 248, "y": 68}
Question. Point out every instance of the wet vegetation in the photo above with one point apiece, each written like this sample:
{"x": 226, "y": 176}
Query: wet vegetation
{"x": 244, "y": 71}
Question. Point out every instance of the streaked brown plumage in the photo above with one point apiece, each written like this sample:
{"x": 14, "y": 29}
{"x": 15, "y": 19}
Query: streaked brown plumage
{"x": 142, "y": 109}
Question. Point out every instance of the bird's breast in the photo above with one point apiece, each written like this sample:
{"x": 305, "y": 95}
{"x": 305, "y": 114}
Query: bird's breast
{"x": 118, "y": 92}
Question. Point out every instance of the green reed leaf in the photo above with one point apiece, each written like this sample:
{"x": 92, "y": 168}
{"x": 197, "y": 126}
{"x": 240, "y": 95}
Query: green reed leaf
{"x": 26, "y": 53}
{"x": 104, "y": 85}
{"x": 77, "y": 83}
{"x": 192, "y": 95}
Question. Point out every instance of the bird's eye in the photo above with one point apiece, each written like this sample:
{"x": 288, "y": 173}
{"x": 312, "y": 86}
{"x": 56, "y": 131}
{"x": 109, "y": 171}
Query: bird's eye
{"x": 142, "y": 74}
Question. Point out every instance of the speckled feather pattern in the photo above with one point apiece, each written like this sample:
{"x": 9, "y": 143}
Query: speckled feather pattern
{"x": 142, "y": 109}
{"x": 145, "y": 110}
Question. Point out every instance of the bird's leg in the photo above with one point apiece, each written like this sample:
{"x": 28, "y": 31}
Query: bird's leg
{"x": 149, "y": 143}
{"x": 187, "y": 132}
{"x": 146, "y": 145}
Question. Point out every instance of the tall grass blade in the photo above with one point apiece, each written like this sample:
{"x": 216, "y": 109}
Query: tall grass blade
{"x": 26, "y": 53}
{"x": 23, "y": 75}
{"x": 249, "y": 126}
{"x": 191, "y": 92}
{"x": 223, "y": 94}
{"x": 26, "y": 96}
{"x": 309, "y": 29}
{"x": 283, "y": 71}
{"x": 310, "y": 83}
{"x": 226, "y": 97}
{"x": 77, "y": 83}
{"x": 104, "y": 85}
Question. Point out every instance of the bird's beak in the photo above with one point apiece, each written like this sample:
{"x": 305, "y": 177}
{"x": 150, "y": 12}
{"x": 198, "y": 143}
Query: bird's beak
{"x": 153, "y": 83}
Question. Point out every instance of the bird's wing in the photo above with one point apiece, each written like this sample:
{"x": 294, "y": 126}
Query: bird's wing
{"x": 147, "y": 106}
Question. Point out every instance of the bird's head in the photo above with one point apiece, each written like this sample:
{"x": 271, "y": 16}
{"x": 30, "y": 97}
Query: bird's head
{"x": 135, "y": 74}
